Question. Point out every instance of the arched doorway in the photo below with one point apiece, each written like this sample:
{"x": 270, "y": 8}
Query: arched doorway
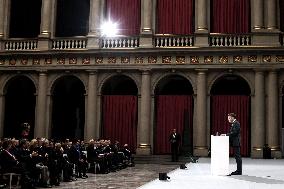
{"x": 68, "y": 110}
{"x": 173, "y": 109}
{"x": 119, "y": 110}
{"x": 19, "y": 106}
{"x": 231, "y": 93}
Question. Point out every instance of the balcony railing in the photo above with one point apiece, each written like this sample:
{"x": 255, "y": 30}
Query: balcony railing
{"x": 20, "y": 44}
{"x": 119, "y": 42}
{"x": 229, "y": 40}
{"x": 69, "y": 43}
{"x": 173, "y": 41}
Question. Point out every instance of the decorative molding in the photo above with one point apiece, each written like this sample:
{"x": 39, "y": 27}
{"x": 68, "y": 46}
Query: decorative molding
{"x": 266, "y": 58}
{"x": 208, "y": 59}
{"x": 138, "y": 60}
{"x": 36, "y": 61}
{"x": 279, "y": 58}
{"x": 180, "y": 60}
{"x": 73, "y": 60}
{"x": 2, "y": 61}
{"x": 166, "y": 59}
{"x": 12, "y": 61}
{"x": 238, "y": 59}
{"x": 99, "y": 60}
{"x": 86, "y": 60}
{"x": 48, "y": 60}
{"x": 152, "y": 59}
{"x": 24, "y": 61}
{"x": 112, "y": 60}
{"x": 252, "y": 58}
{"x": 61, "y": 60}
{"x": 125, "y": 60}
{"x": 194, "y": 59}
{"x": 223, "y": 59}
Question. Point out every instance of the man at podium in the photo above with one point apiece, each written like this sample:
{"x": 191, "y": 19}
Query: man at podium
{"x": 234, "y": 140}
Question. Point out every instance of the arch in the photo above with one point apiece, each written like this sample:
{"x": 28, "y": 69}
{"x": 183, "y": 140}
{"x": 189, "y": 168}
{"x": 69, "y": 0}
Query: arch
{"x": 173, "y": 109}
{"x": 231, "y": 93}
{"x": 68, "y": 108}
{"x": 111, "y": 77}
{"x": 20, "y": 103}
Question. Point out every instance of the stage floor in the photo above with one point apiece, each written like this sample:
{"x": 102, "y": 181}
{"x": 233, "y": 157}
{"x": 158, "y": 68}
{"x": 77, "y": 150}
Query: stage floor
{"x": 257, "y": 174}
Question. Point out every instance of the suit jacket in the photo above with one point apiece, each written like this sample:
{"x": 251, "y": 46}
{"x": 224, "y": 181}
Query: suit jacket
{"x": 175, "y": 138}
{"x": 234, "y": 134}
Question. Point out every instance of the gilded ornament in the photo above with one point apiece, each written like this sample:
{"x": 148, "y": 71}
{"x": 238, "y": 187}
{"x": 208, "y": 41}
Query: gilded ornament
{"x": 238, "y": 59}
{"x": 24, "y": 61}
{"x": 36, "y": 61}
{"x": 125, "y": 60}
{"x": 152, "y": 59}
{"x": 99, "y": 60}
{"x": 266, "y": 58}
{"x": 72, "y": 60}
{"x": 2, "y": 61}
{"x": 180, "y": 60}
{"x": 86, "y": 60}
{"x": 166, "y": 59}
{"x": 252, "y": 58}
{"x": 48, "y": 61}
{"x": 223, "y": 59}
{"x": 60, "y": 60}
{"x": 12, "y": 61}
{"x": 208, "y": 59}
{"x": 138, "y": 60}
{"x": 279, "y": 58}
{"x": 112, "y": 60}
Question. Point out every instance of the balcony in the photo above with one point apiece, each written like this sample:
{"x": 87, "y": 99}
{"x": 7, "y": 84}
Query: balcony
{"x": 119, "y": 42}
{"x": 173, "y": 41}
{"x": 20, "y": 44}
{"x": 69, "y": 43}
{"x": 229, "y": 40}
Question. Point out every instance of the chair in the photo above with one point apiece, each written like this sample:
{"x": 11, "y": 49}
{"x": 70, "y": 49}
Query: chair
{"x": 10, "y": 176}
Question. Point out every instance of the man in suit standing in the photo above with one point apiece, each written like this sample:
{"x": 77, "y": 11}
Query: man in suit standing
{"x": 174, "y": 140}
{"x": 234, "y": 139}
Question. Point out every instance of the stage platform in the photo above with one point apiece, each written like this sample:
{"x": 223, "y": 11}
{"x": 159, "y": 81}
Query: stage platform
{"x": 257, "y": 174}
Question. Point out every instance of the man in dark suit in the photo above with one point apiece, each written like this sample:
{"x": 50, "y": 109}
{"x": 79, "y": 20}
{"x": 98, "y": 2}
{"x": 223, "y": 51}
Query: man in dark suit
{"x": 234, "y": 139}
{"x": 174, "y": 140}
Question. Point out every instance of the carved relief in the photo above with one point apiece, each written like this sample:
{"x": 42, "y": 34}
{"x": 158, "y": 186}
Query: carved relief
{"x": 99, "y": 60}
{"x": 208, "y": 59}
{"x": 266, "y": 58}
{"x": 125, "y": 60}
{"x": 24, "y": 61}
{"x": 252, "y": 58}
{"x": 2, "y": 61}
{"x": 60, "y": 60}
{"x": 12, "y": 61}
{"x": 166, "y": 59}
{"x": 279, "y": 58}
{"x": 86, "y": 60}
{"x": 48, "y": 61}
{"x": 36, "y": 61}
{"x": 112, "y": 60}
{"x": 180, "y": 60}
{"x": 238, "y": 59}
{"x": 152, "y": 59}
{"x": 138, "y": 60}
{"x": 72, "y": 60}
{"x": 194, "y": 59}
{"x": 223, "y": 59}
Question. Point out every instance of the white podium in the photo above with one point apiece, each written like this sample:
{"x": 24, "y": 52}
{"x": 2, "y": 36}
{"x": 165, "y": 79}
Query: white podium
{"x": 219, "y": 155}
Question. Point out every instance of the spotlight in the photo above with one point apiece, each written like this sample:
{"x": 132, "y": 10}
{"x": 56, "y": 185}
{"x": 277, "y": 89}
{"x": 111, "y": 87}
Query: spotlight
{"x": 163, "y": 176}
{"x": 182, "y": 166}
{"x": 109, "y": 29}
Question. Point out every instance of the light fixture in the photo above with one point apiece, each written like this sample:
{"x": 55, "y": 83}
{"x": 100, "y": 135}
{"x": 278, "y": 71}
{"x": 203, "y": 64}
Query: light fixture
{"x": 109, "y": 29}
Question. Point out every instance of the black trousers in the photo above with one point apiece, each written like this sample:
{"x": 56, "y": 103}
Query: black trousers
{"x": 237, "y": 154}
{"x": 174, "y": 150}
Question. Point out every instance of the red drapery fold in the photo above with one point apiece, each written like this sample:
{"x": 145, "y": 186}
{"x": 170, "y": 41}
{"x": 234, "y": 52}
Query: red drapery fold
{"x": 171, "y": 111}
{"x": 230, "y": 16}
{"x": 126, "y": 13}
{"x": 120, "y": 119}
{"x": 224, "y": 104}
{"x": 281, "y": 5}
{"x": 174, "y": 17}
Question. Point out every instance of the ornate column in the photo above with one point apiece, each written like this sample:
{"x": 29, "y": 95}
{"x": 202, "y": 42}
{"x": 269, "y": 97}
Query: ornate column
{"x": 271, "y": 15}
{"x": 199, "y": 130}
{"x": 90, "y": 126}
{"x": 201, "y": 29}
{"x": 258, "y": 128}
{"x": 146, "y": 24}
{"x": 94, "y": 24}
{"x": 2, "y": 17}
{"x": 257, "y": 17}
{"x": 272, "y": 127}
{"x": 40, "y": 127}
{"x": 144, "y": 146}
{"x": 47, "y": 11}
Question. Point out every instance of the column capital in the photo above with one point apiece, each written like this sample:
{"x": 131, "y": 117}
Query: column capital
{"x": 145, "y": 71}
{"x": 92, "y": 72}
{"x": 201, "y": 71}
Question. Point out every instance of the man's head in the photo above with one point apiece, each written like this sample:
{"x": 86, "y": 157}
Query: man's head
{"x": 231, "y": 117}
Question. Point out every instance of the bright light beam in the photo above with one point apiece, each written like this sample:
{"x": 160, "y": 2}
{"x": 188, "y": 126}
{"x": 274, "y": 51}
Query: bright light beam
{"x": 109, "y": 29}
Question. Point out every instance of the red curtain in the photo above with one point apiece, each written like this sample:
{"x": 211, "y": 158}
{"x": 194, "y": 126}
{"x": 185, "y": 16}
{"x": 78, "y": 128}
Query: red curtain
{"x": 230, "y": 16}
{"x": 281, "y": 5}
{"x": 120, "y": 119}
{"x": 126, "y": 13}
{"x": 224, "y": 104}
{"x": 175, "y": 17}
{"x": 171, "y": 114}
